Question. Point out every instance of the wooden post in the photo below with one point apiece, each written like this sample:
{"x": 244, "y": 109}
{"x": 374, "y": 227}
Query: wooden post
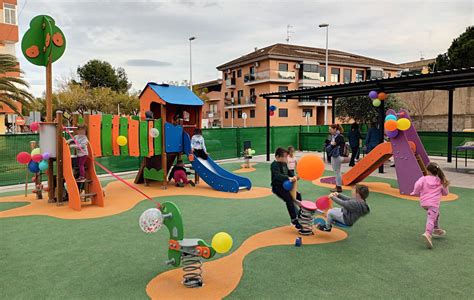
{"x": 59, "y": 158}
{"x": 164, "y": 161}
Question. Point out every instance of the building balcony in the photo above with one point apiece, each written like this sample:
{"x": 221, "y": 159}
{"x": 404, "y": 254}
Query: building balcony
{"x": 244, "y": 102}
{"x": 214, "y": 96}
{"x": 212, "y": 115}
{"x": 269, "y": 76}
{"x": 8, "y": 33}
{"x": 230, "y": 83}
{"x": 309, "y": 79}
{"x": 312, "y": 102}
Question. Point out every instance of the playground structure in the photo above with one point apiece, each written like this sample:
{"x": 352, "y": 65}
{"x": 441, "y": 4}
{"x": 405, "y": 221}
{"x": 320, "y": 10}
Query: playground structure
{"x": 407, "y": 150}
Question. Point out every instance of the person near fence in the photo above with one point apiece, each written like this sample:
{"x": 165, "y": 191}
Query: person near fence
{"x": 198, "y": 146}
{"x": 335, "y": 149}
{"x": 81, "y": 150}
{"x": 354, "y": 141}
{"x": 291, "y": 161}
{"x": 373, "y": 137}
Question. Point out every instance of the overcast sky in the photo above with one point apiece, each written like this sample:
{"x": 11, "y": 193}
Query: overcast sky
{"x": 150, "y": 38}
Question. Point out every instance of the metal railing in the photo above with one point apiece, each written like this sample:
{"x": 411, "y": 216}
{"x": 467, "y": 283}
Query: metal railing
{"x": 270, "y": 74}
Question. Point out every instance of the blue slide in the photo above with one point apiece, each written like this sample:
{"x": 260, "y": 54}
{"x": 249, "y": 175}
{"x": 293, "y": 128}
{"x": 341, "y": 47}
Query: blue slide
{"x": 214, "y": 175}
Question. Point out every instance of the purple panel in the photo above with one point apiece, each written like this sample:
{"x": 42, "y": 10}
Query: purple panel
{"x": 330, "y": 180}
{"x": 412, "y": 136}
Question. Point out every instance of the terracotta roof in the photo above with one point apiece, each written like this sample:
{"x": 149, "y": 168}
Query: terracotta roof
{"x": 418, "y": 63}
{"x": 209, "y": 83}
{"x": 298, "y": 53}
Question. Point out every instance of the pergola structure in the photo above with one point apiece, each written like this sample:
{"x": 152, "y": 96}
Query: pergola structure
{"x": 447, "y": 80}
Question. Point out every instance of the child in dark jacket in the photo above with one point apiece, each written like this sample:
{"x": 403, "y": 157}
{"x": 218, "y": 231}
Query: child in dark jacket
{"x": 351, "y": 208}
{"x": 178, "y": 173}
{"x": 280, "y": 174}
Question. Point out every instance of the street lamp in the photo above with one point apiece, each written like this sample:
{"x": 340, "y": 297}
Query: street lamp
{"x": 191, "y": 63}
{"x": 327, "y": 74}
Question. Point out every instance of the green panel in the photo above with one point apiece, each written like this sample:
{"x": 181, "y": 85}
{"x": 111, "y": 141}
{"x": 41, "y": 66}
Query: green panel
{"x": 123, "y": 130}
{"x": 153, "y": 174}
{"x": 106, "y": 135}
{"x": 175, "y": 227}
{"x": 136, "y": 118}
{"x": 144, "y": 138}
{"x": 157, "y": 142}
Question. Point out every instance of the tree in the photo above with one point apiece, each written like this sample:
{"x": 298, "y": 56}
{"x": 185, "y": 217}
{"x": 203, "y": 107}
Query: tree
{"x": 201, "y": 93}
{"x": 11, "y": 87}
{"x": 419, "y": 103}
{"x": 361, "y": 110}
{"x": 459, "y": 55}
{"x": 96, "y": 73}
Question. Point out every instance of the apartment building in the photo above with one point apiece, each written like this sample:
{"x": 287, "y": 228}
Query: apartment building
{"x": 213, "y": 107}
{"x": 281, "y": 67}
{"x": 8, "y": 39}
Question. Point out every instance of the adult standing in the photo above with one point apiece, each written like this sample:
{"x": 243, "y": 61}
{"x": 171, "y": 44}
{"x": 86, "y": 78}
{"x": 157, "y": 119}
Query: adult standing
{"x": 373, "y": 137}
{"x": 354, "y": 142}
{"x": 335, "y": 150}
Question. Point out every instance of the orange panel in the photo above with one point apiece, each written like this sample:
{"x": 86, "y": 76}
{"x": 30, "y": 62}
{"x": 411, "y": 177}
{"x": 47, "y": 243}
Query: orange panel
{"x": 133, "y": 136}
{"x": 115, "y": 134}
{"x": 93, "y": 133}
{"x": 151, "y": 150}
{"x": 146, "y": 98}
{"x": 74, "y": 201}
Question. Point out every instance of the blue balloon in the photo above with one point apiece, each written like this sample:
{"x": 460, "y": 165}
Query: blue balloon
{"x": 43, "y": 165}
{"x": 33, "y": 167}
{"x": 390, "y": 117}
{"x": 273, "y": 107}
{"x": 288, "y": 185}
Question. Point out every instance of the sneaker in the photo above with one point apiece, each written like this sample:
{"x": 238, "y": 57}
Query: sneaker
{"x": 192, "y": 183}
{"x": 428, "y": 242}
{"x": 439, "y": 232}
{"x": 296, "y": 224}
{"x": 333, "y": 190}
{"x": 180, "y": 184}
{"x": 323, "y": 228}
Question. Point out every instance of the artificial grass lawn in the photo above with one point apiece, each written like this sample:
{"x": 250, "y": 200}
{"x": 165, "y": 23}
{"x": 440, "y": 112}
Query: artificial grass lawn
{"x": 44, "y": 257}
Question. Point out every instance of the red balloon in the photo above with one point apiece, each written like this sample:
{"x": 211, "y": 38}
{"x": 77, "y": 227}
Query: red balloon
{"x": 272, "y": 113}
{"x": 34, "y": 126}
{"x": 323, "y": 203}
{"x": 23, "y": 158}
{"x": 37, "y": 158}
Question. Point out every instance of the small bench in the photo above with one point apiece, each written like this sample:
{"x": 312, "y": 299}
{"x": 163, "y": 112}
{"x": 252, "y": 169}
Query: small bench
{"x": 466, "y": 147}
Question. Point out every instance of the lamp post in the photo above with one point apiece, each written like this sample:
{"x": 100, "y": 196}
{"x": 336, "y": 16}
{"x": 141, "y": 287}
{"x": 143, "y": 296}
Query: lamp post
{"x": 327, "y": 73}
{"x": 191, "y": 63}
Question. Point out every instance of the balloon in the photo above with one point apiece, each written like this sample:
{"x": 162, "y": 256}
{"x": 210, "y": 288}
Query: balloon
{"x": 273, "y": 107}
{"x": 324, "y": 203}
{"x": 376, "y": 102}
{"x": 33, "y": 167}
{"x": 390, "y": 117}
{"x": 373, "y": 95}
{"x": 310, "y": 167}
{"x": 43, "y": 165}
{"x": 46, "y": 155}
{"x": 252, "y": 152}
{"x": 382, "y": 96}
{"x": 35, "y": 151}
{"x": 391, "y": 134}
{"x": 272, "y": 113}
{"x": 390, "y": 125}
{"x": 403, "y": 124}
{"x": 288, "y": 185}
{"x": 34, "y": 126}
{"x": 121, "y": 140}
{"x": 23, "y": 158}
{"x": 221, "y": 242}
{"x": 151, "y": 220}
{"x": 191, "y": 157}
{"x": 154, "y": 133}
{"x": 37, "y": 158}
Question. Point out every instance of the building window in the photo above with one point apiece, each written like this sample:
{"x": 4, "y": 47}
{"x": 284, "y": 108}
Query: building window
{"x": 239, "y": 114}
{"x": 335, "y": 74}
{"x": 252, "y": 70}
{"x": 225, "y": 76}
{"x": 347, "y": 75}
{"x": 283, "y": 88}
{"x": 226, "y": 114}
{"x": 359, "y": 75}
{"x": 252, "y": 91}
{"x": 283, "y": 112}
{"x": 232, "y": 94}
{"x": 9, "y": 13}
{"x": 240, "y": 95}
{"x": 233, "y": 74}
{"x": 239, "y": 73}
{"x": 307, "y": 111}
{"x": 283, "y": 67}
{"x": 375, "y": 74}
{"x": 322, "y": 73}
{"x": 213, "y": 108}
{"x": 226, "y": 95}
{"x": 252, "y": 113}
{"x": 309, "y": 71}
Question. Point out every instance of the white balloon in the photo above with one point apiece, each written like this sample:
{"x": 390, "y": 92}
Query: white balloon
{"x": 151, "y": 220}
{"x": 154, "y": 133}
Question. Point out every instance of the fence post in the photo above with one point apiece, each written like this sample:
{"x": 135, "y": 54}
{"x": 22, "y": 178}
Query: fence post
{"x": 237, "y": 139}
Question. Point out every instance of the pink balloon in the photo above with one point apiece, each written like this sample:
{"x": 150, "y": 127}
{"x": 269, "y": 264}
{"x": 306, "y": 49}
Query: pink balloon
{"x": 34, "y": 126}
{"x": 37, "y": 158}
{"x": 23, "y": 158}
{"x": 323, "y": 203}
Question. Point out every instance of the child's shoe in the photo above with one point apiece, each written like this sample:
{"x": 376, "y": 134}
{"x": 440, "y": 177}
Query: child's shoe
{"x": 296, "y": 224}
{"x": 323, "y": 228}
{"x": 180, "y": 184}
{"x": 438, "y": 232}
{"x": 337, "y": 189}
{"x": 192, "y": 183}
{"x": 428, "y": 242}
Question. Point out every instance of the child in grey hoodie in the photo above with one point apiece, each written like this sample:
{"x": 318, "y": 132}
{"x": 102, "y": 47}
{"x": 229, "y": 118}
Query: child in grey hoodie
{"x": 351, "y": 208}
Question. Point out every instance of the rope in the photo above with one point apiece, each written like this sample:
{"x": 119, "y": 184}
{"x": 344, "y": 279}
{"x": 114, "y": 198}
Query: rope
{"x": 112, "y": 173}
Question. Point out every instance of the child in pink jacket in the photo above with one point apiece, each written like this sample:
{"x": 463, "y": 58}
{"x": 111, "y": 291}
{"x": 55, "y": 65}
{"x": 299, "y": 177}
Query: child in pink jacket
{"x": 430, "y": 188}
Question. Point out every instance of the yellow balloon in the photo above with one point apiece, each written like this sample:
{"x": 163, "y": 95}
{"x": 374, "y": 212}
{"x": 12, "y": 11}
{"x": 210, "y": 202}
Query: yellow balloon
{"x": 121, "y": 140}
{"x": 403, "y": 124}
{"x": 221, "y": 242}
{"x": 35, "y": 151}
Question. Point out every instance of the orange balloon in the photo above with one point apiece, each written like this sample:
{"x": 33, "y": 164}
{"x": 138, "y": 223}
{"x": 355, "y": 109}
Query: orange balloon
{"x": 191, "y": 157}
{"x": 310, "y": 167}
{"x": 382, "y": 96}
{"x": 390, "y": 125}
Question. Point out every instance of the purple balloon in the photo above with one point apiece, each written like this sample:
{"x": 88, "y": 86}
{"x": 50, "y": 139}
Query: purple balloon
{"x": 373, "y": 94}
{"x": 46, "y": 155}
{"x": 392, "y": 134}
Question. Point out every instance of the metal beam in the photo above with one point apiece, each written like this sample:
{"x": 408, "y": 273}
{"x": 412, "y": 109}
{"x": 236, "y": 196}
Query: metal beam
{"x": 268, "y": 128}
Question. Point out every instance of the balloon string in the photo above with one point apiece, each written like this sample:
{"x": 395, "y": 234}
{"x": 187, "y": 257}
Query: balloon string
{"x": 112, "y": 173}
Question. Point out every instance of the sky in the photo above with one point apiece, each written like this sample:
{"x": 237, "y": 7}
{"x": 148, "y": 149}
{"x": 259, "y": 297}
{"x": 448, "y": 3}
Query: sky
{"x": 149, "y": 38}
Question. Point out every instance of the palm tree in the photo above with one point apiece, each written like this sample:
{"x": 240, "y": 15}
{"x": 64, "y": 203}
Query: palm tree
{"x": 11, "y": 88}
